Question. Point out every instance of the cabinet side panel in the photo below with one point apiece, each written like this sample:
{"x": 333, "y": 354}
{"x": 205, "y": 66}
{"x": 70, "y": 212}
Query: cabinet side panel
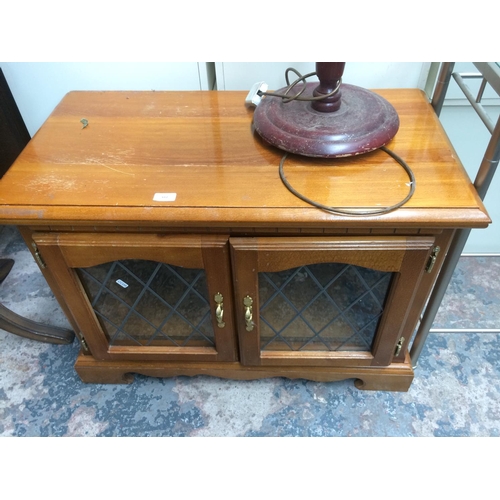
{"x": 399, "y": 305}
{"x": 27, "y": 235}
{"x": 423, "y": 291}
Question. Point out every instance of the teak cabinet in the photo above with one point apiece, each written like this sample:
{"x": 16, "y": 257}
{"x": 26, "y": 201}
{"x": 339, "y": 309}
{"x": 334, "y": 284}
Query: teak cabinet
{"x": 270, "y": 302}
{"x": 173, "y": 248}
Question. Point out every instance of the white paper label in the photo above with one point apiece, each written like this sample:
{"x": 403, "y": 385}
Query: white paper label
{"x": 122, "y": 283}
{"x": 164, "y": 196}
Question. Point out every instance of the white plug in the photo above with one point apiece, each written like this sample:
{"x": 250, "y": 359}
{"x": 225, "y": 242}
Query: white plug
{"x": 253, "y": 98}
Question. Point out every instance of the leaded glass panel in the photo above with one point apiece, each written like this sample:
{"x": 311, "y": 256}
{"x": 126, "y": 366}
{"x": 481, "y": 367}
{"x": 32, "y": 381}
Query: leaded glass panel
{"x": 141, "y": 302}
{"x": 321, "y": 307}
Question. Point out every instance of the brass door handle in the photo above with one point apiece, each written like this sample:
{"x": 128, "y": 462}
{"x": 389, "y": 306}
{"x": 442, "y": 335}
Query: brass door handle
{"x": 219, "y": 310}
{"x": 247, "y": 302}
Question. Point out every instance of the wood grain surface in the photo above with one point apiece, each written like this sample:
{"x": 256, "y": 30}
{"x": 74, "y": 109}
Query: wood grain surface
{"x": 200, "y": 146}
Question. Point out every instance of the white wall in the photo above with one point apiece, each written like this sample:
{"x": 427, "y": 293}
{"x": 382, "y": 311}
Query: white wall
{"x": 372, "y": 75}
{"x": 39, "y": 87}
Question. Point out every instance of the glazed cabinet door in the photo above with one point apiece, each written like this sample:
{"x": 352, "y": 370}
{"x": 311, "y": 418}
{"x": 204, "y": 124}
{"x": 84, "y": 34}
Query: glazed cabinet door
{"x": 146, "y": 296}
{"x": 339, "y": 301}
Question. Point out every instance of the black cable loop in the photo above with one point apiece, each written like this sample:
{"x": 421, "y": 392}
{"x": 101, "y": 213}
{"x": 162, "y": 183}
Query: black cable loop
{"x": 339, "y": 211}
{"x": 301, "y": 78}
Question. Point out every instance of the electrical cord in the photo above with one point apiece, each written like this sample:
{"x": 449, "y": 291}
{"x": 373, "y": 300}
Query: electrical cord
{"x": 301, "y": 78}
{"x": 334, "y": 210}
{"x": 340, "y": 211}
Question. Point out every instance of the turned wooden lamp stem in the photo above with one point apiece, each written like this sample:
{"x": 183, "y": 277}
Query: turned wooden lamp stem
{"x": 329, "y": 75}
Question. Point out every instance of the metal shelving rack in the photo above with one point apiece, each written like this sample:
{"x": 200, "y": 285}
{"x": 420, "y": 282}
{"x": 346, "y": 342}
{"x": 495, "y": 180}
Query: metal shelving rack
{"x": 489, "y": 73}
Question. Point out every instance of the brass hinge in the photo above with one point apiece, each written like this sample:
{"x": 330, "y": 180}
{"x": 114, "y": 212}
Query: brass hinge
{"x": 399, "y": 346}
{"x": 432, "y": 259}
{"x": 38, "y": 257}
{"x": 85, "y": 347}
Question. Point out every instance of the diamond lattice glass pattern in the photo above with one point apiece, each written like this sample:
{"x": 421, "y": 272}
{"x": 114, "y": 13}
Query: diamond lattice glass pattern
{"x": 321, "y": 307}
{"x": 140, "y": 302}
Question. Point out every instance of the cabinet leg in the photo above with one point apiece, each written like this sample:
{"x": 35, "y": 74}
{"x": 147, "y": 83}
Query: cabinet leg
{"x": 401, "y": 383}
{"x": 96, "y": 373}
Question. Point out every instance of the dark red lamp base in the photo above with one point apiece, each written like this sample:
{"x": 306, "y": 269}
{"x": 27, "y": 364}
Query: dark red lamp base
{"x": 364, "y": 122}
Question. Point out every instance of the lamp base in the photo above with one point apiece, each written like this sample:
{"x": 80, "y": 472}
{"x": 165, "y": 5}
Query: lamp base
{"x": 364, "y": 122}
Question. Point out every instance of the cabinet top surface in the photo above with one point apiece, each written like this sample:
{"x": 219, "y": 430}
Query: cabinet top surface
{"x": 140, "y": 149}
